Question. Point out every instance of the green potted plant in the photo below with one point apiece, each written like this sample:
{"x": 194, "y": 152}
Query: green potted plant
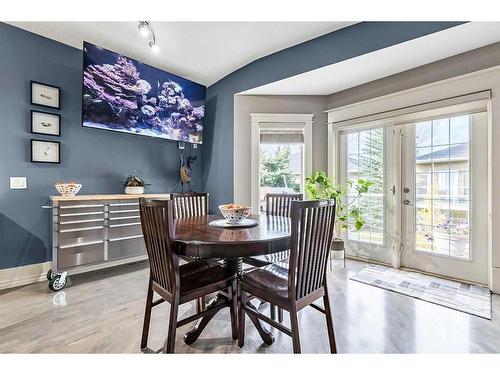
{"x": 320, "y": 186}
{"x": 134, "y": 185}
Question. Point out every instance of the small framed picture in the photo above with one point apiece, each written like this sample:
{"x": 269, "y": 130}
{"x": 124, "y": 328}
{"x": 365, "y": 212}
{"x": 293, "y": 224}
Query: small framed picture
{"x": 45, "y": 123}
{"x": 45, "y": 151}
{"x": 45, "y": 95}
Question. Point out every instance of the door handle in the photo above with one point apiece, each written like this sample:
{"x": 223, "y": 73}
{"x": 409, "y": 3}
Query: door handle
{"x": 407, "y": 202}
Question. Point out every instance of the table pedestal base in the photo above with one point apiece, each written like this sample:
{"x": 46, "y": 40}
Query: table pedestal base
{"x": 235, "y": 266}
{"x": 192, "y": 335}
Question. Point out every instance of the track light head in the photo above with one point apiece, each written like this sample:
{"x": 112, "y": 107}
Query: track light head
{"x": 154, "y": 47}
{"x": 144, "y": 29}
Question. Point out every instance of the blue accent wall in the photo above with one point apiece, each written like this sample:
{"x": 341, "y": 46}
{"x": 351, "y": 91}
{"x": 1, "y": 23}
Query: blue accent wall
{"x": 356, "y": 40}
{"x": 95, "y": 158}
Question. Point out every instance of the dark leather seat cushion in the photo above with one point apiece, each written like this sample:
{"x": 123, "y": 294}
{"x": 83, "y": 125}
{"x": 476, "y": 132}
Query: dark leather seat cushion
{"x": 272, "y": 278}
{"x": 200, "y": 273}
{"x": 264, "y": 260}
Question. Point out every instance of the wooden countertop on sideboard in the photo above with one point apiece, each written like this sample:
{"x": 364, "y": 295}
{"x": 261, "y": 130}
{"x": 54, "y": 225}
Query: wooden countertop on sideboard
{"x": 102, "y": 197}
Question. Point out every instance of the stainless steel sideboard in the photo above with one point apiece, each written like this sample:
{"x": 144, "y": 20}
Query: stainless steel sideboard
{"x": 91, "y": 232}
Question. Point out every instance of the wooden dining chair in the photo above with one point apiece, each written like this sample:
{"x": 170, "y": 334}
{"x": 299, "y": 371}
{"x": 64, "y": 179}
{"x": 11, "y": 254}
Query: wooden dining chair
{"x": 174, "y": 283}
{"x": 297, "y": 284}
{"x": 277, "y": 204}
{"x": 191, "y": 204}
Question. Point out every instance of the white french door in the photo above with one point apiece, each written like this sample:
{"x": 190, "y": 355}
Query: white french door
{"x": 367, "y": 154}
{"x": 427, "y": 208}
{"x": 444, "y": 202}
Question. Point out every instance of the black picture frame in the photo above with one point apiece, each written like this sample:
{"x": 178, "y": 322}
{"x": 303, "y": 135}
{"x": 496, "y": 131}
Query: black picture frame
{"x": 43, "y": 161}
{"x": 33, "y": 111}
{"x": 44, "y": 105}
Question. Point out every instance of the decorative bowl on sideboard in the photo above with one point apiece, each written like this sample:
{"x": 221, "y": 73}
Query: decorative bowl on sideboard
{"x": 68, "y": 189}
{"x": 134, "y": 190}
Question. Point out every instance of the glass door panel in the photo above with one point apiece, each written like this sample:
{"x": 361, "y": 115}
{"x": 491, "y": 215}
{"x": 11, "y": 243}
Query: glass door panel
{"x": 441, "y": 159}
{"x": 363, "y": 156}
{"x": 438, "y": 156}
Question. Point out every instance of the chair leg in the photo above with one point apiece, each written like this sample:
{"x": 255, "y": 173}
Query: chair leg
{"x": 280, "y": 315}
{"x": 241, "y": 318}
{"x": 172, "y": 327}
{"x": 200, "y": 304}
{"x": 329, "y": 321}
{"x": 234, "y": 310}
{"x": 294, "y": 323}
{"x": 272, "y": 311}
{"x": 147, "y": 317}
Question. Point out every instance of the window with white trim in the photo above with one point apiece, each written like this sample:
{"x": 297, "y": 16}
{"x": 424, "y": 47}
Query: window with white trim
{"x": 281, "y": 162}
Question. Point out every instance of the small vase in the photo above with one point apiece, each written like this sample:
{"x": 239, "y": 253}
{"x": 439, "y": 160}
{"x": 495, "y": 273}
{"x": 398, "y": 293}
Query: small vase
{"x": 134, "y": 190}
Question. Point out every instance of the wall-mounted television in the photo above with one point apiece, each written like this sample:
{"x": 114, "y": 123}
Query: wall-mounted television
{"x": 125, "y": 95}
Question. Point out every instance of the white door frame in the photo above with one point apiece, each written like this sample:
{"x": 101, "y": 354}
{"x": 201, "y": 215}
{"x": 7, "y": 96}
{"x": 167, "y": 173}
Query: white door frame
{"x": 273, "y": 120}
{"x": 467, "y": 107}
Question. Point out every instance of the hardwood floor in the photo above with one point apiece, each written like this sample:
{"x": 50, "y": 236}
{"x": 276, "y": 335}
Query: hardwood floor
{"x": 102, "y": 312}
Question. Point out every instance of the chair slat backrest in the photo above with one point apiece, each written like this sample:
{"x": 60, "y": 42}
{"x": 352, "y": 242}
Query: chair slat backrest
{"x": 157, "y": 226}
{"x": 281, "y": 204}
{"x": 190, "y": 204}
{"x": 312, "y": 234}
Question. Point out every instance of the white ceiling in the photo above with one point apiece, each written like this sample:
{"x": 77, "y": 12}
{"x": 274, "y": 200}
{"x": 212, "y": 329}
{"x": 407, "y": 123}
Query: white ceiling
{"x": 385, "y": 62}
{"x": 204, "y": 52}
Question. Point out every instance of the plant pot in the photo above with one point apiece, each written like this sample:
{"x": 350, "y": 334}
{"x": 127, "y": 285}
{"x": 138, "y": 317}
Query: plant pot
{"x": 134, "y": 190}
{"x": 338, "y": 248}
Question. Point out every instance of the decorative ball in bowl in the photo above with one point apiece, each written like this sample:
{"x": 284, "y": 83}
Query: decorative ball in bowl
{"x": 68, "y": 189}
{"x": 234, "y": 213}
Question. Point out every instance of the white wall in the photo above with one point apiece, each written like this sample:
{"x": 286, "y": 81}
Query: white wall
{"x": 464, "y": 63}
{"x": 246, "y": 104}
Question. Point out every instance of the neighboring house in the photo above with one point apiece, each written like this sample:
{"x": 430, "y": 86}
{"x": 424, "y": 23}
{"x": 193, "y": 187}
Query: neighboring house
{"x": 448, "y": 184}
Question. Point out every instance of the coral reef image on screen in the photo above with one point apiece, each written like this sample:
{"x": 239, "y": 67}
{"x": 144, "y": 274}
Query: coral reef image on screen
{"x": 125, "y": 95}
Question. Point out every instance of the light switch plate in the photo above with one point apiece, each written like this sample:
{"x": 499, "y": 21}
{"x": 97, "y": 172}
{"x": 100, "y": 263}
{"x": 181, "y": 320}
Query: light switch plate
{"x": 17, "y": 183}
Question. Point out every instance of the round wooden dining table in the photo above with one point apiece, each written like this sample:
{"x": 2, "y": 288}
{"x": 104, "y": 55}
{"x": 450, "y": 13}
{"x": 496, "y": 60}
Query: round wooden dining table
{"x": 196, "y": 238}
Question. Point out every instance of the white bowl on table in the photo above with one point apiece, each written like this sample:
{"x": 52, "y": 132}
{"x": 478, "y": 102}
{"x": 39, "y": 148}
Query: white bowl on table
{"x": 236, "y": 214}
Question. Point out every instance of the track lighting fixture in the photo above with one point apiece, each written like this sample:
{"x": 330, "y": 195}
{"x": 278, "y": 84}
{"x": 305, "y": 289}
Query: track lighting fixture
{"x": 145, "y": 30}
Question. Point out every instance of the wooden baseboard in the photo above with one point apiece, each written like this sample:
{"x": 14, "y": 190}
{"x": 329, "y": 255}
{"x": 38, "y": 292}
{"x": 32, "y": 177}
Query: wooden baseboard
{"x": 23, "y": 275}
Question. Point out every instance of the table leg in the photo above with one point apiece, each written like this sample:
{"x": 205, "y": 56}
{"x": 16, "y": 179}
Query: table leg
{"x": 234, "y": 265}
{"x": 237, "y": 265}
{"x": 191, "y": 336}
